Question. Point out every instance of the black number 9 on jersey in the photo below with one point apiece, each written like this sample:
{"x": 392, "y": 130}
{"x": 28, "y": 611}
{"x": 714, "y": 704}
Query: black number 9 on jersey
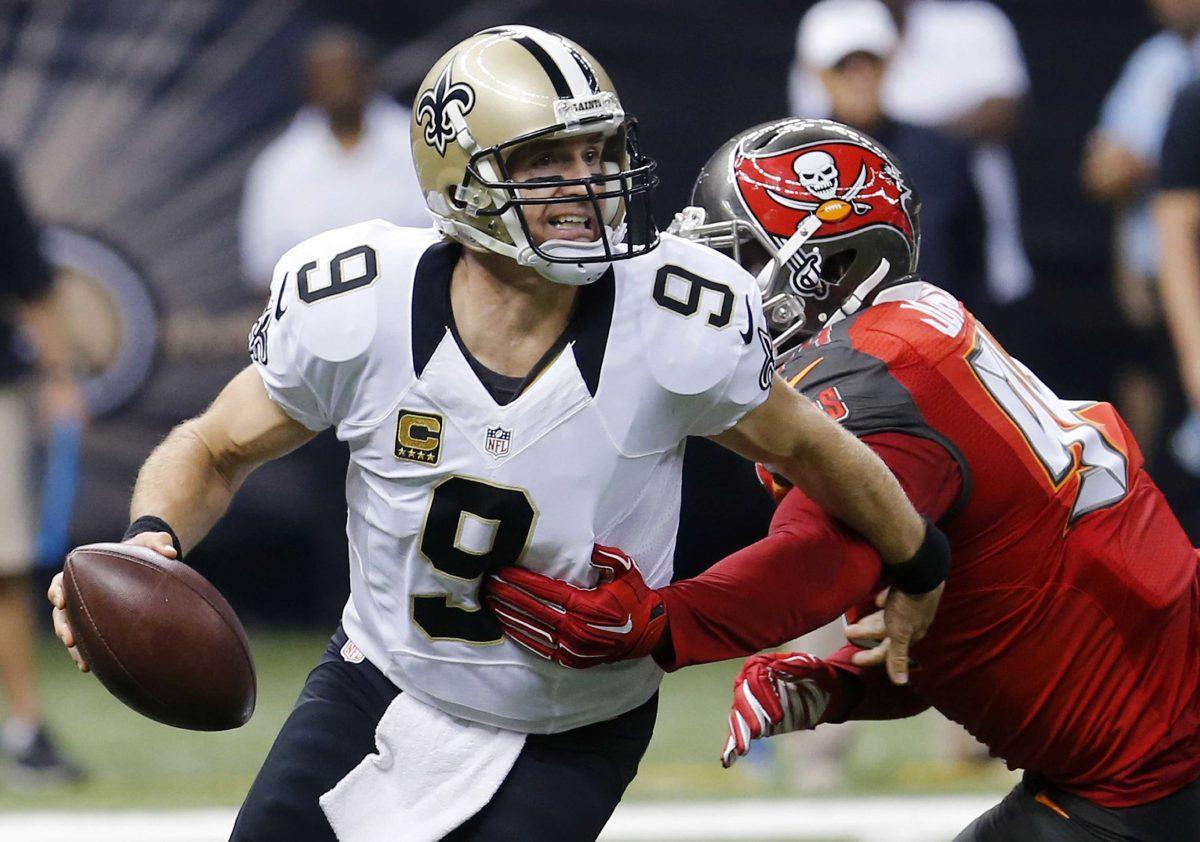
{"x": 471, "y": 528}
{"x": 667, "y": 289}
{"x": 352, "y": 269}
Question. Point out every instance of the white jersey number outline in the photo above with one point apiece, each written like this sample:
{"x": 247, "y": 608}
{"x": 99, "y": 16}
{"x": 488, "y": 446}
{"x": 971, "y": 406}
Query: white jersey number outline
{"x": 1053, "y": 428}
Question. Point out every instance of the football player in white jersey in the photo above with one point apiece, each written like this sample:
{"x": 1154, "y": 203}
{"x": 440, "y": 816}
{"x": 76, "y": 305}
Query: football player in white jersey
{"x": 515, "y": 385}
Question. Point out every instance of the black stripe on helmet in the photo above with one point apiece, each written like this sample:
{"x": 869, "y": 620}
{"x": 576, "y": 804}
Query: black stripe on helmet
{"x": 561, "y": 88}
{"x": 584, "y": 65}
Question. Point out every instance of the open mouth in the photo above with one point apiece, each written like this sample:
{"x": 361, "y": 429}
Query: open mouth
{"x": 572, "y": 226}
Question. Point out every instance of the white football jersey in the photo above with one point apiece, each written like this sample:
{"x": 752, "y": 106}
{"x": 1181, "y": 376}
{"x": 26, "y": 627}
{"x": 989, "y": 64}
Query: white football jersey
{"x": 445, "y": 485}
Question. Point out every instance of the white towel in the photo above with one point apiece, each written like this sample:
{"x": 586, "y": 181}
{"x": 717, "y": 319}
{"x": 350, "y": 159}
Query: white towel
{"x": 432, "y": 773}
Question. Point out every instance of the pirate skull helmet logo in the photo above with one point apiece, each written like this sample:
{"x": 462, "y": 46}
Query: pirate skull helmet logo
{"x": 831, "y": 207}
{"x": 817, "y": 170}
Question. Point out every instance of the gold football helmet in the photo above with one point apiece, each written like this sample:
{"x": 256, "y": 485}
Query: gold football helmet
{"x": 507, "y": 86}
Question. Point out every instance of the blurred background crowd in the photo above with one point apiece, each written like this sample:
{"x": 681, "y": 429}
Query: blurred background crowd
{"x": 159, "y": 157}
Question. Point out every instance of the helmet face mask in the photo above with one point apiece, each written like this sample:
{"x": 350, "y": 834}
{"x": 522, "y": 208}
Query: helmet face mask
{"x": 619, "y": 195}
{"x": 499, "y": 91}
{"x": 831, "y": 208}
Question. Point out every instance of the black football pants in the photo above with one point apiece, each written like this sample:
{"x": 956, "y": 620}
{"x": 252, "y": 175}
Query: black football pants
{"x": 563, "y": 787}
{"x": 1036, "y": 812}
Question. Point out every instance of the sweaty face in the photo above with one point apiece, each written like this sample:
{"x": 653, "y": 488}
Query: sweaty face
{"x": 546, "y": 165}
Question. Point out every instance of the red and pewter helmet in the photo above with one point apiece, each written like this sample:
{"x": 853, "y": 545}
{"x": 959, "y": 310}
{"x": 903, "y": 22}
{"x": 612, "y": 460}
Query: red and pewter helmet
{"x": 823, "y": 214}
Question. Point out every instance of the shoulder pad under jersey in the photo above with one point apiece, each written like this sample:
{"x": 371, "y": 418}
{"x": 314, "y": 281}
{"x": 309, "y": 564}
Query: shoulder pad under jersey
{"x": 926, "y": 318}
{"x": 852, "y": 374}
{"x": 701, "y": 319}
{"x": 323, "y": 316}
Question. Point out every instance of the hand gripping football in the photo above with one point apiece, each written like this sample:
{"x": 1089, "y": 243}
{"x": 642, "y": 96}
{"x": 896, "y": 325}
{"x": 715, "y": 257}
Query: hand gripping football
{"x": 159, "y": 637}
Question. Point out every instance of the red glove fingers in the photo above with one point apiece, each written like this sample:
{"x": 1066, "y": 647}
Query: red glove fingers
{"x": 536, "y": 586}
{"x": 619, "y": 619}
{"x": 523, "y": 629}
{"x": 756, "y": 707}
{"x": 500, "y": 589}
{"x": 777, "y": 693}
{"x": 612, "y": 562}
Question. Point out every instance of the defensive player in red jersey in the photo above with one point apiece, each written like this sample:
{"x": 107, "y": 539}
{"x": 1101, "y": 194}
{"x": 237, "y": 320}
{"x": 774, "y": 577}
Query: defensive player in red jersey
{"x": 1068, "y": 638}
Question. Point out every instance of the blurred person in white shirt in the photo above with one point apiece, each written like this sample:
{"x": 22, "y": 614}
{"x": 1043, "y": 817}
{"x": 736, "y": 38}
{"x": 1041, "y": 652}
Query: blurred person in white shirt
{"x": 345, "y": 158}
{"x": 958, "y": 67}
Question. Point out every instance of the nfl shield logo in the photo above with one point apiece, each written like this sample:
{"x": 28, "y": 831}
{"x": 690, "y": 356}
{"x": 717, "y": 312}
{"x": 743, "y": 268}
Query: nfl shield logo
{"x": 498, "y": 439}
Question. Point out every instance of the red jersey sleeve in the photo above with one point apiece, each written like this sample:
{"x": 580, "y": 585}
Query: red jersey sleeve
{"x": 805, "y": 573}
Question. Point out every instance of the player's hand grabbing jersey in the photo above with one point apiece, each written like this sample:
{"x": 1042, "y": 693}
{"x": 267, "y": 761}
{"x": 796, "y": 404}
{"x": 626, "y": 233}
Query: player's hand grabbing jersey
{"x": 1068, "y": 636}
{"x": 444, "y": 484}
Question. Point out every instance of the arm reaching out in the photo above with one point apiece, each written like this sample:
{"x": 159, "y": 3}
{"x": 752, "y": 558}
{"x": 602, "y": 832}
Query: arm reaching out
{"x": 832, "y": 467}
{"x": 806, "y": 572}
{"x": 817, "y": 455}
{"x": 188, "y": 480}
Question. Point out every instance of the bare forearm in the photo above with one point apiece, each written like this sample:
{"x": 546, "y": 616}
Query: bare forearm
{"x": 190, "y": 478}
{"x": 850, "y": 482}
{"x": 182, "y": 483}
{"x": 831, "y": 466}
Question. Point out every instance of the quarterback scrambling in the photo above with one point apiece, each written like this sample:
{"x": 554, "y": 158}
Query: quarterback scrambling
{"x": 1068, "y": 638}
{"x": 515, "y": 386}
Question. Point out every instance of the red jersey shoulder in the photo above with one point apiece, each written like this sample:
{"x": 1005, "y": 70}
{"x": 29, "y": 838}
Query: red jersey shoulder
{"x": 916, "y": 318}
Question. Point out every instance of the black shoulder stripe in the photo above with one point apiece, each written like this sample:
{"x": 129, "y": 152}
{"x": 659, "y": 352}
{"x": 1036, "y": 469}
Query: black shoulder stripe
{"x": 430, "y": 316}
{"x": 561, "y": 88}
{"x": 590, "y": 325}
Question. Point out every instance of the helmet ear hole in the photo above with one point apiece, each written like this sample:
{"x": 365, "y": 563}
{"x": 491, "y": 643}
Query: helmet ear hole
{"x": 835, "y": 266}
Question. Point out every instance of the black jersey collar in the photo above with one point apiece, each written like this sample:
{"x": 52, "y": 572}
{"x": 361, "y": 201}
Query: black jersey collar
{"x": 431, "y": 316}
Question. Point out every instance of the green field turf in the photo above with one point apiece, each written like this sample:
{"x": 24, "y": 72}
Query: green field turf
{"x": 135, "y": 763}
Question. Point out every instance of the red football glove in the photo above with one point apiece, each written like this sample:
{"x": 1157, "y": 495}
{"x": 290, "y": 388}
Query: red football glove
{"x": 617, "y": 620}
{"x": 776, "y": 693}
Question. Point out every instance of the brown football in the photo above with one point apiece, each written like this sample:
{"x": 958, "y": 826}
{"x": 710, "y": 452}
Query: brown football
{"x": 159, "y": 637}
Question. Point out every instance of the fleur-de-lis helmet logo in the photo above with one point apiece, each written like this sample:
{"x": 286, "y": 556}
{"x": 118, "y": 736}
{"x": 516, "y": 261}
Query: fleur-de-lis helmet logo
{"x": 435, "y": 106}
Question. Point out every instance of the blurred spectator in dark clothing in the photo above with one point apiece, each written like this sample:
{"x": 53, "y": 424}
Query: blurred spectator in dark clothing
{"x": 958, "y": 67}
{"x": 1119, "y": 165}
{"x": 1177, "y": 214}
{"x": 846, "y": 44}
{"x": 345, "y": 158}
{"x": 25, "y": 308}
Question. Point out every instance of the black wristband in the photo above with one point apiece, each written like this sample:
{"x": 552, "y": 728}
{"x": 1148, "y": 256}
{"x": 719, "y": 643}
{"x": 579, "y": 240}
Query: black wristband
{"x": 927, "y": 568}
{"x": 150, "y": 523}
